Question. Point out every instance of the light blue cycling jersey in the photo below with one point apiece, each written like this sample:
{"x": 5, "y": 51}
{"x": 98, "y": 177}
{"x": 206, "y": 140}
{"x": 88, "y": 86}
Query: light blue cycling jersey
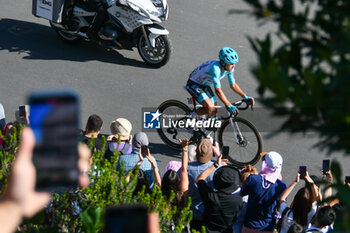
{"x": 210, "y": 72}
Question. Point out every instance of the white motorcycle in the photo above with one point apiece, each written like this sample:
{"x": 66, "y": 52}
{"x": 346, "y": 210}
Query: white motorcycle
{"x": 130, "y": 23}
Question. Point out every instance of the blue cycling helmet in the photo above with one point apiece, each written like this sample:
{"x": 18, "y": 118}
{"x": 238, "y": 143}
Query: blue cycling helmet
{"x": 228, "y": 55}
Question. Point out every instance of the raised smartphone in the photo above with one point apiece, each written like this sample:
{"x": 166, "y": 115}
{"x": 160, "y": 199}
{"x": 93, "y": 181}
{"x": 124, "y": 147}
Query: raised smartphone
{"x": 325, "y": 166}
{"x": 302, "y": 171}
{"x": 144, "y": 151}
{"x": 126, "y": 218}
{"x": 22, "y": 111}
{"x": 54, "y": 120}
{"x": 225, "y": 152}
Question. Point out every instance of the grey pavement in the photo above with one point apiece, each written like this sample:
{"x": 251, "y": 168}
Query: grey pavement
{"x": 118, "y": 84}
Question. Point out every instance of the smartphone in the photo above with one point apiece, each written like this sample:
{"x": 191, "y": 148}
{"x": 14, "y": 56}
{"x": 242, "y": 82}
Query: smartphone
{"x": 325, "y": 166}
{"x": 126, "y": 218}
{"x": 54, "y": 120}
{"x": 225, "y": 152}
{"x": 347, "y": 179}
{"x": 302, "y": 171}
{"x": 22, "y": 111}
{"x": 144, "y": 151}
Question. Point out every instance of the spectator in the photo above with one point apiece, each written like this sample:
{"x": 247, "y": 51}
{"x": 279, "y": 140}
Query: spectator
{"x": 221, "y": 206}
{"x": 176, "y": 165}
{"x": 92, "y": 130}
{"x": 264, "y": 191}
{"x": 142, "y": 177}
{"x": 130, "y": 160}
{"x": 142, "y": 181}
{"x": 24, "y": 120}
{"x": 245, "y": 173}
{"x": 204, "y": 154}
{"x": 172, "y": 182}
{"x": 303, "y": 207}
{"x": 324, "y": 218}
{"x": 120, "y": 127}
{"x": 296, "y": 228}
{"x": 2, "y": 117}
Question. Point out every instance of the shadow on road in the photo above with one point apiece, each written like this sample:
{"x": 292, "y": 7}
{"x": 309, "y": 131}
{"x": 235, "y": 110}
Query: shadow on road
{"x": 40, "y": 42}
{"x": 157, "y": 148}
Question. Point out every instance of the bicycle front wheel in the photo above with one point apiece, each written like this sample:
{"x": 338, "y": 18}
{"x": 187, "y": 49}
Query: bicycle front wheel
{"x": 174, "y": 111}
{"x": 243, "y": 139}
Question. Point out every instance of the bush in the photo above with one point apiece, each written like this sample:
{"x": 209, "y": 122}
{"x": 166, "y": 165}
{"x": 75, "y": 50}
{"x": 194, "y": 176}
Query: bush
{"x": 82, "y": 210}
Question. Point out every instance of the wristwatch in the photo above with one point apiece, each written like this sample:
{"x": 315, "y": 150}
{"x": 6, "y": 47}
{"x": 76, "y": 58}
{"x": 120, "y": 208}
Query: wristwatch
{"x": 215, "y": 165}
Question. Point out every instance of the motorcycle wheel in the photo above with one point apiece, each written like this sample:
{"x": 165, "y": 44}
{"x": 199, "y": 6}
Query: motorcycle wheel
{"x": 157, "y": 56}
{"x": 65, "y": 36}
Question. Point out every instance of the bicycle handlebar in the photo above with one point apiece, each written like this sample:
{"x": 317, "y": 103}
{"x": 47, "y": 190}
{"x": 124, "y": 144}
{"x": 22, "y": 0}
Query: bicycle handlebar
{"x": 247, "y": 103}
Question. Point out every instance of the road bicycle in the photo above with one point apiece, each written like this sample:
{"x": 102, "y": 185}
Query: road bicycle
{"x": 240, "y": 135}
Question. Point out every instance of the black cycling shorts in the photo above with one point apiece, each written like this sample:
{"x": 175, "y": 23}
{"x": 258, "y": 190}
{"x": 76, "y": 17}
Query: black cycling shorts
{"x": 200, "y": 92}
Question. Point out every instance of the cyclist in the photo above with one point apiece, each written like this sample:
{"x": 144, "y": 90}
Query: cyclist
{"x": 211, "y": 72}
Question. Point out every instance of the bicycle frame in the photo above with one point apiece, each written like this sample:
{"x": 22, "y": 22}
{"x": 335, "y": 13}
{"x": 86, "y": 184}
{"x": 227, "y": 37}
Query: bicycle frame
{"x": 236, "y": 131}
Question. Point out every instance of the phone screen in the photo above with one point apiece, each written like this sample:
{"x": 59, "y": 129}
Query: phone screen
{"x": 225, "y": 152}
{"x": 125, "y": 219}
{"x": 22, "y": 111}
{"x": 144, "y": 151}
{"x": 302, "y": 171}
{"x": 54, "y": 120}
{"x": 325, "y": 166}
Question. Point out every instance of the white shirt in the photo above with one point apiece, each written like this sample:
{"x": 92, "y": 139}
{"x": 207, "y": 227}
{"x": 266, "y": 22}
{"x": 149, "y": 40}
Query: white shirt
{"x": 288, "y": 218}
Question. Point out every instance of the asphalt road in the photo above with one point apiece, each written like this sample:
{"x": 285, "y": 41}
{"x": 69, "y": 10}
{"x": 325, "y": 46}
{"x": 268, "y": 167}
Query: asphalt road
{"x": 118, "y": 84}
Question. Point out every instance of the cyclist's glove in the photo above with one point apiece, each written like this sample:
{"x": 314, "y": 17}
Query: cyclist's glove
{"x": 247, "y": 98}
{"x": 232, "y": 109}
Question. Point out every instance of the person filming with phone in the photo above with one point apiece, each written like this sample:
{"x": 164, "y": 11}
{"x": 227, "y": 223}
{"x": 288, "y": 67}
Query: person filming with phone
{"x": 139, "y": 141}
{"x": 304, "y": 204}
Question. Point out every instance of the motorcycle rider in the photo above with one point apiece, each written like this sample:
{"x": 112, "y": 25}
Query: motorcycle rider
{"x": 211, "y": 72}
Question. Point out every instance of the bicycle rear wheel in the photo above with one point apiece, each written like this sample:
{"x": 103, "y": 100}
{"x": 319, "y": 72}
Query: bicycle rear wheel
{"x": 245, "y": 146}
{"x": 173, "y": 111}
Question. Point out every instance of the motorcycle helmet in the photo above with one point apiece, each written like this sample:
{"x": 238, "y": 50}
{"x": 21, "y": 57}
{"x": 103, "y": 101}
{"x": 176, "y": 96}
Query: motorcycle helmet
{"x": 228, "y": 55}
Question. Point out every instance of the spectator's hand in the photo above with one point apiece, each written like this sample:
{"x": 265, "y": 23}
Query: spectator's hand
{"x": 216, "y": 149}
{"x": 219, "y": 161}
{"x": 328, "y": 176}
{"x": 308, "y": 178}
{"x": 297, "y": 178}
{"x": 21, "y": 184}
{"x": 150, "y": 159}
{"x": 185, "y": 142}
{"x": 140, "y": 158}
{"x": 153, "y": 223}
{"x": 84, "y": 164}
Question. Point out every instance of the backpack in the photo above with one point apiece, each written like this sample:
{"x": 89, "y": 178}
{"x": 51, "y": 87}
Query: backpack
{"x": 111, "y": 148}
{"x": 279, "y": 222}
